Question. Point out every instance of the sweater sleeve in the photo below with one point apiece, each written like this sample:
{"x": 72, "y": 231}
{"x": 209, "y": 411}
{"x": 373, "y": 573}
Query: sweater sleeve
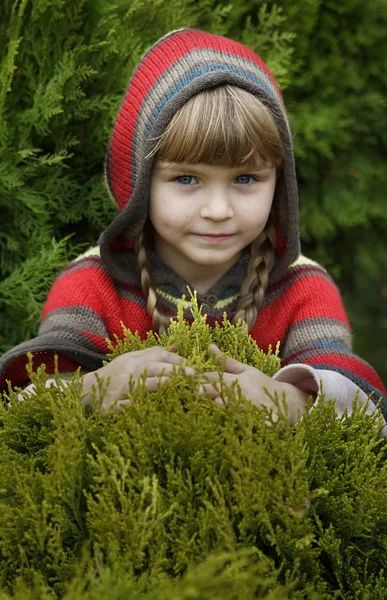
{"x": 72, "y": 328}
{"x": 333, "y": 385}
{"x": 318, "y": 335}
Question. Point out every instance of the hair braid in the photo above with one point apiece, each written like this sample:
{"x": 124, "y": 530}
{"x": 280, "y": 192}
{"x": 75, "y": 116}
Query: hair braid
{"x": 256, "y": 281}
{"x": 160, "y": 322}
{"x": 253, "y": 286}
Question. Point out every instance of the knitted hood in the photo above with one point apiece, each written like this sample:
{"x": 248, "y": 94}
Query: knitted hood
{"x": 178, "y": 66}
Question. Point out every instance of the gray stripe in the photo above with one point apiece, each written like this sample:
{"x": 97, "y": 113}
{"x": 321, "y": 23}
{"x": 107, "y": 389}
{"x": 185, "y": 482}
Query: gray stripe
{"x": 312, "y": 332}
{"x": 69, "y": 320}
{"x": 75, "y": 346}
{"x": 137, "y": 299}
{"x": 89, "y": 261}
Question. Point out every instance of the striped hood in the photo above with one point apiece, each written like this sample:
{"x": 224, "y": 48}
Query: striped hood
{"x": 178, "y": 66}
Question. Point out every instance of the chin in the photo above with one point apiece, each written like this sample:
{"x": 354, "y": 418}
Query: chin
{"x": 213, "y": 261}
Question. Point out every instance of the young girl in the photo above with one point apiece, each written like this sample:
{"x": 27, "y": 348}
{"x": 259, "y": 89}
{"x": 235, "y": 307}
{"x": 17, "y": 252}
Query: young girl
{"x": 201, "y": 166}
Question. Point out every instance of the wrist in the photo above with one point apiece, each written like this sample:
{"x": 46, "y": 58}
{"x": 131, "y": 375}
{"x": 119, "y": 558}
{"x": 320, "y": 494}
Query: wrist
{"x": 89, "y": 380}
{"x": 296, "y": 400}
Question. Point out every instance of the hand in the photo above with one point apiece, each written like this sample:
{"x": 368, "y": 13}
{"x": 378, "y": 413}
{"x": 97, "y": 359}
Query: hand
{"x": 252, "y": 383}
{"x": 159, "y": 363}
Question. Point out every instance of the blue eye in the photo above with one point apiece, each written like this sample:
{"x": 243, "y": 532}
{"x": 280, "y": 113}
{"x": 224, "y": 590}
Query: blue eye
{"x": 245, "y": 179}
{"x": 185, "y": 179}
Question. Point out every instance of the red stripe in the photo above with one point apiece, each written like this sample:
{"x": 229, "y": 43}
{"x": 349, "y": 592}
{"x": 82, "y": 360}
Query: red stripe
{"x": 97, "y": 340}
{"x": 17, "y": 369}
{"x": 59, "y": 296}
{"x": 294, "y": 272}
{"x": 322, "y": 301}
{"x": 296, "y": 304}
{"x": 102, "y": 298}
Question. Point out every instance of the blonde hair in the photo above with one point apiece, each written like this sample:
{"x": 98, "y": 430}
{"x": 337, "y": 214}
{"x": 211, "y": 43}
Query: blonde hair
{"x": 224, "y": 126}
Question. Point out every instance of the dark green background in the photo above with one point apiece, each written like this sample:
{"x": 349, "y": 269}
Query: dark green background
{"x": 64, "y": 67}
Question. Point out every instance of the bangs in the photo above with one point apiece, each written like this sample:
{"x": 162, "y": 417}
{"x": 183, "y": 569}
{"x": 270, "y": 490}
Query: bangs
{"x": 225, "y": 126}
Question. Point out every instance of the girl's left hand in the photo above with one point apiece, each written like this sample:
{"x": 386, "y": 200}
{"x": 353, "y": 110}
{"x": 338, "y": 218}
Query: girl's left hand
{"x": 252, "y": 383}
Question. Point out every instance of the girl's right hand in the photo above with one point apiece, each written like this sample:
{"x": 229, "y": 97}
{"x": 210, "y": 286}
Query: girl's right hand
{"x": 158, "y": 362}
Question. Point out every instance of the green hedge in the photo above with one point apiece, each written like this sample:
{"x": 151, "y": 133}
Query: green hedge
{"x": 180, "y": 498}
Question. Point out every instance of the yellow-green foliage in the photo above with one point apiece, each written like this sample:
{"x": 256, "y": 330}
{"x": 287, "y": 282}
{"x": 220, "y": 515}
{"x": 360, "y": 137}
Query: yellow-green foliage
{"x": 179, "y": 498}
{"x": 192, "y": 340}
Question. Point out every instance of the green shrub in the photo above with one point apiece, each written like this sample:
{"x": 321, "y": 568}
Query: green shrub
{"x": 177, "y": 497}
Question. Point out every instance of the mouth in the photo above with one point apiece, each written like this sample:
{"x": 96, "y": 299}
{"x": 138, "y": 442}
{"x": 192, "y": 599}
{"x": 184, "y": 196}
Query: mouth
{"x": 214, "y": 235}
{"x": 214, "y": 238}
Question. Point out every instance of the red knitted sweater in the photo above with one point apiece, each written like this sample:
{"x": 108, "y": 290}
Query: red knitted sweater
{"x": 93, "y": 295}
{"x": 303, "y": 311}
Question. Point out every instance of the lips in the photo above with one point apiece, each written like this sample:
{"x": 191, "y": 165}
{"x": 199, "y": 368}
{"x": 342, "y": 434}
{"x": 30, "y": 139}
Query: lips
{"x": 214, "y": 235}
{"x": 214, "y": 239}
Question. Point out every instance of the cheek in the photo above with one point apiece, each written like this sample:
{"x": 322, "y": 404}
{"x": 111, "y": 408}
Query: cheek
{"x": 258, "y": 210}
{"x": 167, "y": 221}
{"x": 159, "y": 212}
{"x": 255, "y": 213}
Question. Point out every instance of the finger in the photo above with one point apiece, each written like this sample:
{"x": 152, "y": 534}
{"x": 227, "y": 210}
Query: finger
{"x": 230, "y": 365}
{"x": 121, "y": 405}
{"x": 211, "y": 375}
{"x": 220, "y": 402}
{"x": 167, "y": 369}
{"x": 214, "y": 376}
{"x": 214, "y": 349}
{"x": 172, "y": 358}
{"x": 210, "y": 390}
{"x": 153, "y": 383}
{"x": 160, "y": 353}
{"x": 116, "y": 406}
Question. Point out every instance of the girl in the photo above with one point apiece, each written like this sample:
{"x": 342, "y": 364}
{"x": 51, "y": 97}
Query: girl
{"x": 201, "y": 166}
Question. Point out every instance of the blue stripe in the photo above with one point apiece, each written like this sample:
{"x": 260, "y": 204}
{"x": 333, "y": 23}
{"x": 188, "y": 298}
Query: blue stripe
{"x": 197, "y": 73}
{"x": 330, "y": 346}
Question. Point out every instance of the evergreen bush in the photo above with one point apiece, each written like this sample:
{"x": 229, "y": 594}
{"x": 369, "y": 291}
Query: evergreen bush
{"x": 177, "y": 497}
{"x": 63, "y": 69}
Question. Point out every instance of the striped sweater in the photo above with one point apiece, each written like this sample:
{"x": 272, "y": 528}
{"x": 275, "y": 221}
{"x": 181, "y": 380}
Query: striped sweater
{"x": 303, "y": 311}
{"x": 94, "y": 294}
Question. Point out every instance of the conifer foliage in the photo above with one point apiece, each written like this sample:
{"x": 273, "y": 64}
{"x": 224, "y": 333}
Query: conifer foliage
{"x": 177, "y": 497}
{"x": 64, "y": 66}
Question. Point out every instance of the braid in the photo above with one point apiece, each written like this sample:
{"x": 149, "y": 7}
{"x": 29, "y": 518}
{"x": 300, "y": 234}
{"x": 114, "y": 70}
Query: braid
{"x": 253, "y": 286}
{"x": 160, "y": 322}
{"x": 258, "y": 270}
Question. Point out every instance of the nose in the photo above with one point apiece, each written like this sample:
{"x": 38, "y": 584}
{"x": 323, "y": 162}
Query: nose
{"x": 216, "y": 206}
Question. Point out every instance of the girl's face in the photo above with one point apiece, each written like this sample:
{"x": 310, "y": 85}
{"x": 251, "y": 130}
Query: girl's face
{"x": 204, "y": 216}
